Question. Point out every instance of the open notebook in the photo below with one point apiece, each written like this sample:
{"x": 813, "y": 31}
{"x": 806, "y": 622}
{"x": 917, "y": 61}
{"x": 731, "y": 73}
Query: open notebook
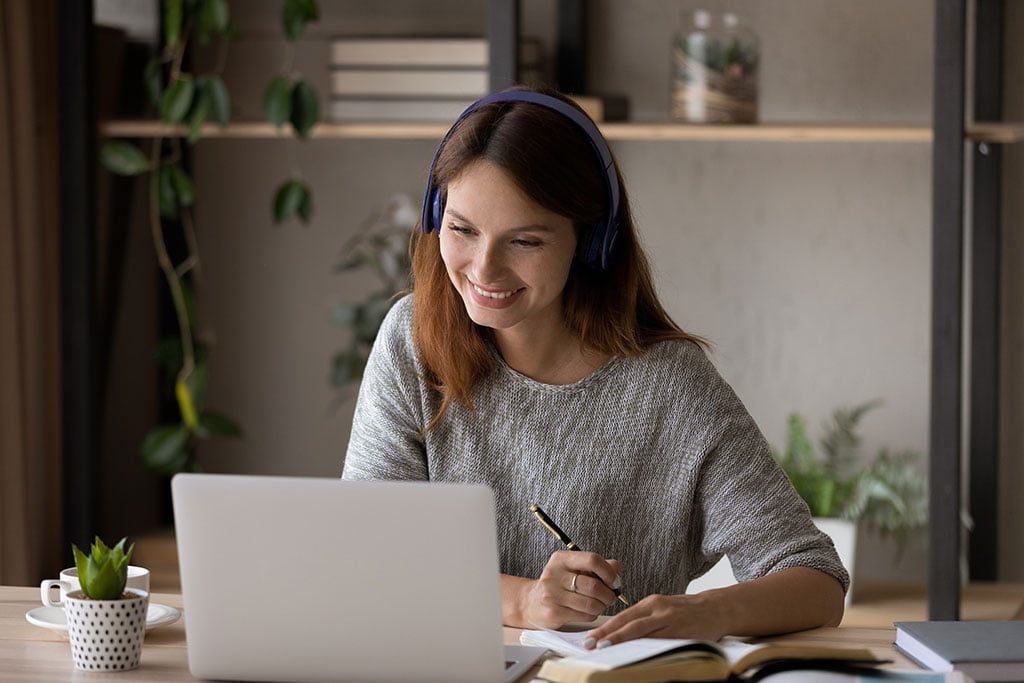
{"x": 663, "y": 659}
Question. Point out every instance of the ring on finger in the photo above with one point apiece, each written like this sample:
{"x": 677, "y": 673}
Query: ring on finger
{"x": 572, "y": 585}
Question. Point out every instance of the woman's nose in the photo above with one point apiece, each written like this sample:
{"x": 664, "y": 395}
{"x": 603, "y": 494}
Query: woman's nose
{"x": 490, "y": 262}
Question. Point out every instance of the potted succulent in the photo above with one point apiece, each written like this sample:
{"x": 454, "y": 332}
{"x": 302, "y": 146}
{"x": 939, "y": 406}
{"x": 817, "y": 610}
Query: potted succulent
{"x": 106, "y": 620}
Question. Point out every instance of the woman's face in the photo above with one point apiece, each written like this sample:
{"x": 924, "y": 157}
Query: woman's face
{"x": 507, "y": 256}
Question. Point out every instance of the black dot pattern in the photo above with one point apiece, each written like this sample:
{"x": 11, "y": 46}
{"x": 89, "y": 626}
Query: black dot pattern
{"x": 106, "y": 635}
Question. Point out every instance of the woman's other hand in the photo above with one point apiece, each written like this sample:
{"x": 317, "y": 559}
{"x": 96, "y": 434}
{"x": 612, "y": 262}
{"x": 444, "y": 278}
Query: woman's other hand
{"x": 574, "y": 586}
{"x": 660, "y": 616}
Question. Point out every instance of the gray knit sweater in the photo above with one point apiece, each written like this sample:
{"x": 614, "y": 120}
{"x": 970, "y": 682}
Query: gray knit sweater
{"x": 652, "y": 461}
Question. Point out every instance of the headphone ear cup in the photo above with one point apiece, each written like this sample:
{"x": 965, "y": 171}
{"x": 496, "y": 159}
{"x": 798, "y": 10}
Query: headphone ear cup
{"x": 595, "y": 243}
{"x": 437, "y": 202}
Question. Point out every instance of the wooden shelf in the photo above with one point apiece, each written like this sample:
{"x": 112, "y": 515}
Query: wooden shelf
{"x": 776, "y": 132}
{"x": 996, "y": 132}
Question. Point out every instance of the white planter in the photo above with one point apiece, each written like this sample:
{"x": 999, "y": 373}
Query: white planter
{"x": 842, "y": 533}
{"x": 106, "y": 635}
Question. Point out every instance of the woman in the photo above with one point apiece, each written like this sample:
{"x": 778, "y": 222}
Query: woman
{"x": 534, "y": 356}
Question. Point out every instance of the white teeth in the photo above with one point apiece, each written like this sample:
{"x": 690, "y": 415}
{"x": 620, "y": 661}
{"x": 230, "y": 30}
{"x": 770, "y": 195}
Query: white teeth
{"x": 494, "y": 295}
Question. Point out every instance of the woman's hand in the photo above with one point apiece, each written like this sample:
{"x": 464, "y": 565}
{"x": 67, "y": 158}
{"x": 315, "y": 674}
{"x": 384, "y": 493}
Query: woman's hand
{"x": 661, "y": 616}
{"x": 574, "y": 586}
{"x": 788, "y": 600}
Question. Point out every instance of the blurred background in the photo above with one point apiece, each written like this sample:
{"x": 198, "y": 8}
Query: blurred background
{"x": 187, "y": 285}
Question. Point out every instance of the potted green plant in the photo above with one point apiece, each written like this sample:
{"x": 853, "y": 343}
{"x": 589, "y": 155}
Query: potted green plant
{"x": 106, "y": 620}
{"x": 381, "y": 246}
{"x": 844, "y": 489}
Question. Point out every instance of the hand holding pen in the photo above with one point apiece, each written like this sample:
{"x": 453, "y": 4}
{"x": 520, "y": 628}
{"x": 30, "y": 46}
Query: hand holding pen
{"x": 574, "y": 586}
{"x": 570, "y": 545}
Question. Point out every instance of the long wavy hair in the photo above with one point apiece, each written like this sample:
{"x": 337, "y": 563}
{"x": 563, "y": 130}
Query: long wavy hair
{"x": 615, "y": 311}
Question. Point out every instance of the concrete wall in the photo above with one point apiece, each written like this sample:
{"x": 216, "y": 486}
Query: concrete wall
{"x": 808, "y": 264}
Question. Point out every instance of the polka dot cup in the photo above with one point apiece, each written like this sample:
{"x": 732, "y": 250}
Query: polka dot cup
{"x": 106, "y": 635}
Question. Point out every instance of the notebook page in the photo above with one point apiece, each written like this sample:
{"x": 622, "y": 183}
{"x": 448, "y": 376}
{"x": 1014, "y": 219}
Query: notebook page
{"x": 626, "y": 653}
{"x": 565, "y": 643}
{"x": 735, "y": 650}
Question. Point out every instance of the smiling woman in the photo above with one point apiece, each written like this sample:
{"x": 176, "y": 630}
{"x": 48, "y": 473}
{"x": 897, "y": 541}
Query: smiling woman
{"x": 534, "y": 356}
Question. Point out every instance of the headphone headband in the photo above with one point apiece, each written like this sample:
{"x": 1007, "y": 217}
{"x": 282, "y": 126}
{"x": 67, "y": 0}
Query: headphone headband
{"x": 604, "y": 233}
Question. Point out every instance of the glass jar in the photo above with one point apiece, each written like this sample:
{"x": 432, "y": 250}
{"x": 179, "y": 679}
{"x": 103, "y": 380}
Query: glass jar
{"x": 714, "y": 72}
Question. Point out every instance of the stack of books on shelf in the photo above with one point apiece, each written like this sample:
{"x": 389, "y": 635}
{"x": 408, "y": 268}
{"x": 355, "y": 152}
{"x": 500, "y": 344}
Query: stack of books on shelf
{"x": 415, "y": 79}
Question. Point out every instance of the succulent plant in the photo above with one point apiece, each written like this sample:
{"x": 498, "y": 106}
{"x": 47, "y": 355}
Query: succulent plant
{"x": 104, "y": 573}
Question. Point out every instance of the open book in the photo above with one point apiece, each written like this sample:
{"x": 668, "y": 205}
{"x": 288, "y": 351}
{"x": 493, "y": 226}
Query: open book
{"x": 653, "y": 660}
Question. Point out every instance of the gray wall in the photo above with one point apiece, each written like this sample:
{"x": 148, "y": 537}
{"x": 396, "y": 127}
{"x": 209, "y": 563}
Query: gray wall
{"x": 808, "y": 264}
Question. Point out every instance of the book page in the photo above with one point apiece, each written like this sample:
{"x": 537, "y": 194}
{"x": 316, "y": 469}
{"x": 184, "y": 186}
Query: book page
{"x": 565, "y": 643}
{"x": 891, "y": 676}
{"x": 630, "y": 652}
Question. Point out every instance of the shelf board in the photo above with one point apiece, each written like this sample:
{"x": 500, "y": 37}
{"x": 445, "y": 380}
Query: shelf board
{"x": 996, "y": 132}
{"x": 775, "y": 132}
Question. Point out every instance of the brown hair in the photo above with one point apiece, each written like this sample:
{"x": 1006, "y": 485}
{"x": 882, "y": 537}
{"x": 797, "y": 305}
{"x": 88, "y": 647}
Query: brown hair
{"x": 615, "y": 311}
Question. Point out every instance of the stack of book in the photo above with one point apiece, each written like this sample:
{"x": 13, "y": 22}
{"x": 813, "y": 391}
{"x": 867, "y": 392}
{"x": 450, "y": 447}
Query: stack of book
{"x": 415, "y": 79}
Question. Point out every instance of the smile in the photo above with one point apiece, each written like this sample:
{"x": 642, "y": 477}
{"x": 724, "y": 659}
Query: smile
{"x": 495, "y": 295}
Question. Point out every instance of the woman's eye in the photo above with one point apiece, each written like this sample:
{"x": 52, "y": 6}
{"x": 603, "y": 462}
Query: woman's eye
{"x": 458, "y": 229}
{"x": 526, "y": 243}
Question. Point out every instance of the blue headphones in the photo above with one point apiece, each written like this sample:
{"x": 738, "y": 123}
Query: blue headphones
{"x": 602, "y": 237}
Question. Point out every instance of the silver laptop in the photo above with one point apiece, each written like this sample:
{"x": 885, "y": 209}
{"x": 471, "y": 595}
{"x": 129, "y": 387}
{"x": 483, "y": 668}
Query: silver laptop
{"x": 296, "y": 579}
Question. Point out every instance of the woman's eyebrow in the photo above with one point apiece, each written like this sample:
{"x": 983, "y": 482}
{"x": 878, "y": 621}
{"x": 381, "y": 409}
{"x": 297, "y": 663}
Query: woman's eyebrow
{"x": 523, "y": 228}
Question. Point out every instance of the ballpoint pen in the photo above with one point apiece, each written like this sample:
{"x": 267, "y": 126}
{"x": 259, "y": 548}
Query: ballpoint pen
{"x": 568, "y": 542}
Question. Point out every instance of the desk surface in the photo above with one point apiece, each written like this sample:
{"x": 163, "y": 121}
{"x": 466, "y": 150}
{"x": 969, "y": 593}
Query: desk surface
{"x": 30, "y": 653}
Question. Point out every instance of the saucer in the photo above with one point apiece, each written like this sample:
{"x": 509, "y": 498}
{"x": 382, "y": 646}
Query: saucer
{"x": 54, "y": 619}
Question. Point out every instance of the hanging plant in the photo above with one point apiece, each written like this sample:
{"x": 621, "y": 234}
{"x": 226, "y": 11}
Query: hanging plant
{"x": 192, "y": 100}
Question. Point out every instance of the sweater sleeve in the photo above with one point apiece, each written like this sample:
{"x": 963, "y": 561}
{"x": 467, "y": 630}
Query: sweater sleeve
{"x": 747, "y": 509}
{"x": 386, "y": 440}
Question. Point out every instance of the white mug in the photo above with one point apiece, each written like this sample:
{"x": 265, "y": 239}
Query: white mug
{"x": 138, "y": 578}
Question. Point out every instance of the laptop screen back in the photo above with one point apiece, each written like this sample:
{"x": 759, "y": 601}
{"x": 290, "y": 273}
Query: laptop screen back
{"x": 291, "y": 579}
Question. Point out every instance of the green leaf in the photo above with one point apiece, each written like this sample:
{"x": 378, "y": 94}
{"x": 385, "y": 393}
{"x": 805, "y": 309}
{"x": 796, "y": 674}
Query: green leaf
{"x": 99, "y": 550}
{"x": 153, "y": 76}
{"x": 306, "y": 206}
{"x": 196, "y": 384}
{"x": 344, "y": 315}
{"x": 123, "y": 158}
{"x": 287, "y": 200}
{"x": 172, "y": 23}
{"x": 213, "y": 424}
{"x": 184, "y": 191}
{"x": 305, "y": 108}
{"x": 197, "y": 116}
{"x": 164, "y": 449}
{"x": 220, "y": 100}
{"x": 186, "y": 406}
{"x": 347, "y": 367}
{"x": 296, "y": 14}
{"x": 277, "y": 101}
{"x": 103, "y": 582}
{"x": 81, "y": 561}
{"x": 177, "y": 100}
{"x": 213, "y": 17}
{"x": 166, "y": 195}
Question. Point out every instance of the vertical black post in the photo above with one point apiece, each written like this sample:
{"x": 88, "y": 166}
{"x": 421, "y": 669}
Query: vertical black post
{"x": 947, "y": 310}
{"x": 503, "y": 37}
{"x": 986, "y": 255}
{"x": 80, "y": 397}
{"x": 572, "y": 47}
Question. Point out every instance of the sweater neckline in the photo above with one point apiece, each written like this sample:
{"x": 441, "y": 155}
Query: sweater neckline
{"x": 532, "y": 384}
